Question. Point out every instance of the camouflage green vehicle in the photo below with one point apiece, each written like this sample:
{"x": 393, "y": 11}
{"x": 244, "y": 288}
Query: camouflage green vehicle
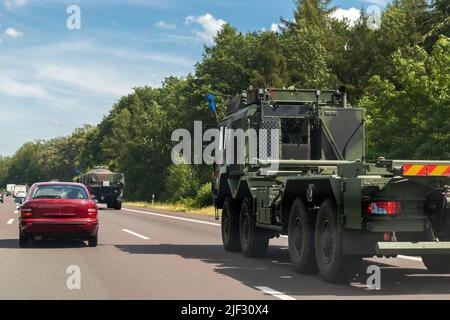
{"x": 319, "y": 190}
{"x": 105, "y": 186}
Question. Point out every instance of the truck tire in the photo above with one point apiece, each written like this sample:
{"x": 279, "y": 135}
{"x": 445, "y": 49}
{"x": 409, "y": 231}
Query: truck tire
{"x": 109, "y": 205}
{"x": 230, "y": 227}
{"x": 301, "y": 239}
{"x": 118, "y": 205}
{"x": 437, "y": 263}
{"x": 254, "y": 241}
{"x": 333, "y": 265}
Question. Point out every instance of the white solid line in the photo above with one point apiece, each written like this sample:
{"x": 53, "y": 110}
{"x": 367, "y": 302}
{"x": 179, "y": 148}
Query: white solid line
{"x": 410, "y": 258}
{"x": 10, "y": 221}
{"x": 135, "y": 234}
{"x": 275, "y": 293}
{"x": 172, "y": 217}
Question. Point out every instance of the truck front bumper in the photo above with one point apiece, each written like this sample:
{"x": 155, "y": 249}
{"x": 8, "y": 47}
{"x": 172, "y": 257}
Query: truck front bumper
{"x": 413, "y": 248}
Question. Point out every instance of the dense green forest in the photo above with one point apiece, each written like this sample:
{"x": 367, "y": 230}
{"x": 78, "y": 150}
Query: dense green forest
{"x": 399, "y": 72}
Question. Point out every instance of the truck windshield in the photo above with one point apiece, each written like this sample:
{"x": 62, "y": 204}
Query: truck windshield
{"x": 59, "y": 192}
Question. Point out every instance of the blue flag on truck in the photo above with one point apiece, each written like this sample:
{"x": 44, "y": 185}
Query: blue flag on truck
{"x": 212, "y": 103}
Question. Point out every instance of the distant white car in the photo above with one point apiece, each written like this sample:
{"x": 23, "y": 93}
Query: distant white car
{"x": 21, "y": 194}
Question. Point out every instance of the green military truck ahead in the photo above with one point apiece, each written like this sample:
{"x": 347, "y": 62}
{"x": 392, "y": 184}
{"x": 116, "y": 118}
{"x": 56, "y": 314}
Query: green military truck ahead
{"x": 313, "y": 183}
{"x": 105, "y": 186}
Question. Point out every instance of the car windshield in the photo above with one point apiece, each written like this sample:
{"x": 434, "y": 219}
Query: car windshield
{"x": 60, "y": 192}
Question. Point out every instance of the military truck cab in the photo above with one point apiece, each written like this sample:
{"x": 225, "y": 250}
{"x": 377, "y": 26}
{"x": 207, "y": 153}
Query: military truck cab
{"x": 105, "y": 186}
{"x": 307, "y": 177}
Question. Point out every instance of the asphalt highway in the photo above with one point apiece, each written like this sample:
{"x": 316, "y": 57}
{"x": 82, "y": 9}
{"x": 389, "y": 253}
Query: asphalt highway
{"x": 148, "y": 254}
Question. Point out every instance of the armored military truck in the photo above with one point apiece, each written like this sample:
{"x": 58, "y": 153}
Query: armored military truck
{"x": 105, "y": 186}
{"x": 312, "y": 182}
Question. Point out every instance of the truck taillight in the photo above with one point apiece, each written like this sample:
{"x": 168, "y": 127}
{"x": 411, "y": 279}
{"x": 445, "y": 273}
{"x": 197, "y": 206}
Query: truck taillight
{"x": 26, "y": 212}
{"x": 384, "y": 208}
{"x": 92, "y": 212}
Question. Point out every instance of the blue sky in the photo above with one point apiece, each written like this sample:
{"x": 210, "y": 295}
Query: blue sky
{"x": 53, "y": 79}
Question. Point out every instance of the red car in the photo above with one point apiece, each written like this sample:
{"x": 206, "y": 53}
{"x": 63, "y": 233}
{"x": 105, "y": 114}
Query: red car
{"x": 58, "y": 210}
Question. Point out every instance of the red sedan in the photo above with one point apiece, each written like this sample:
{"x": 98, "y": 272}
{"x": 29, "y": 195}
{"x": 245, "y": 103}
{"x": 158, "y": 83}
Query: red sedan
{"x": 58, "y": 210}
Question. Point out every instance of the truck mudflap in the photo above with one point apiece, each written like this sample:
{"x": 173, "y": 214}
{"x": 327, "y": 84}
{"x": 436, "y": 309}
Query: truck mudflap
{"x": 413, "y": 248}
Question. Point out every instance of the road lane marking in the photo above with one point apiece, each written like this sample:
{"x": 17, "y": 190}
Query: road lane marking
{"x": 10, "y": 221}
{"x": 172, "y": 217}
{"x": 16, "y": 211}
{"x": 136, "y": 234}
{"x": 275, "y": 293}
{"x": 410, "y": 258}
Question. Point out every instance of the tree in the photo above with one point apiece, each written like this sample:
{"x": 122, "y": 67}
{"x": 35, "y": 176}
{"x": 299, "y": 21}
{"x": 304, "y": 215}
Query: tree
{"x": 304, "y": 45}
{"x": 408, "y": 113}
{"x": 181, "y": 182}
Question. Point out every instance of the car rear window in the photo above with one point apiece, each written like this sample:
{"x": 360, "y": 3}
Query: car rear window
{"x": 59, "y": 192}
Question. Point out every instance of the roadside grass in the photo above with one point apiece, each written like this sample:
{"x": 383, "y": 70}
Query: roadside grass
{"x": 175, "y": 207}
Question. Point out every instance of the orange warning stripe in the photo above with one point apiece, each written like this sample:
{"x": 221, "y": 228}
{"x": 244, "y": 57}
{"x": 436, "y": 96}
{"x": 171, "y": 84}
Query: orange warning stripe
{"x": 414, "y": 170}
{"x": 438, "y": 170}
{"x": 426, "y": 170}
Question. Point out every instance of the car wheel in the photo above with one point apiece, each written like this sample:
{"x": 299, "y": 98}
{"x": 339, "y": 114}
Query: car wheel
{"x": 23, "y": 241}
{"x": 92, "y": 242}
{"x": 118, "y": 205}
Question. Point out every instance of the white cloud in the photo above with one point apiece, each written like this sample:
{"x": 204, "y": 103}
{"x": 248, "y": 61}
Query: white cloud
{"x": 352, "y": 15}
{"x": 13, "y": 33}
{"x": 93, "y": 79}
{"x": 275, "y": 27}
{"x": 166, "y": 26}
{"x": 73, "y": 82}
{"x": 211, "y": 26}
{"x": 10, "y": 4}
{"x": 21, "y": 89}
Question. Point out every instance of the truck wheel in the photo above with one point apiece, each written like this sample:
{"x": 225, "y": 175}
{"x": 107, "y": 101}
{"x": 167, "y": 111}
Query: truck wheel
{"x": 254, "y": 242}
{"x": 333, "y": 265}
{"x": 118, "y": 205}
{"x": 109, "y": 205}
{"x": 301, "y": 239}
{"x": 437, "y": 263}
{"x": 230, "y": 227}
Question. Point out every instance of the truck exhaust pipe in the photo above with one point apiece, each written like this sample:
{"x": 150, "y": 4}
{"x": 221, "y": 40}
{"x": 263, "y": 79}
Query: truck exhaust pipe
{"x": 343, "y": 93}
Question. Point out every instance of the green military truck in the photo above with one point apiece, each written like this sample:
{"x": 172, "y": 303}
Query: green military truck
{"x": 105, "y": 186}
{"x": 318, "y": 189}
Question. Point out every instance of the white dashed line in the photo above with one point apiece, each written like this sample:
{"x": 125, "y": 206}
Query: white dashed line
{"x": 172, "y": 217}
{"x": 275, "y": 293}
{"x": 135, "y": 234}
{"x": 10, "y": 221}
